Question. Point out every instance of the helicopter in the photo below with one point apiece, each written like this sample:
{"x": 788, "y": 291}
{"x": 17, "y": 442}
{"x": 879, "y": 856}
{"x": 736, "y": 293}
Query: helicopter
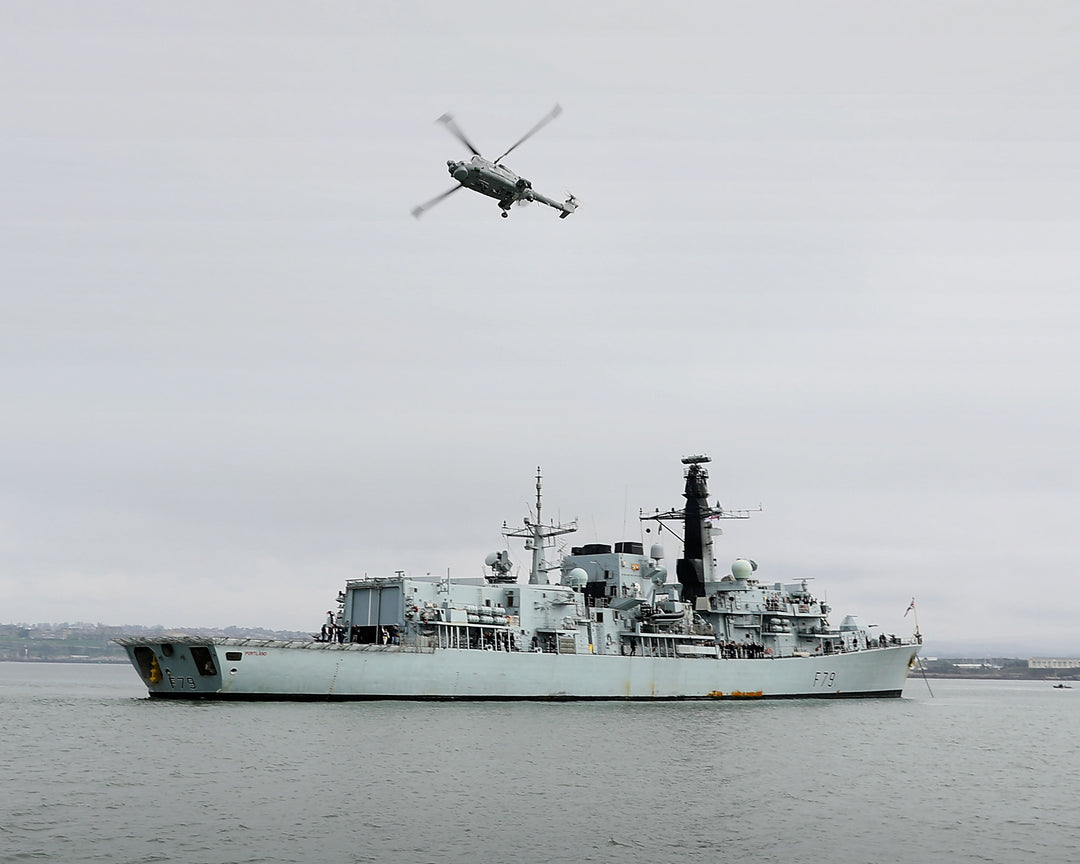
{"x": 493, "y": 179}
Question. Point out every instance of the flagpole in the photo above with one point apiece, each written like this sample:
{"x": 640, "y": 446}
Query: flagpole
{"x": 918, "y": 638}
{"x": 911, "y": 608}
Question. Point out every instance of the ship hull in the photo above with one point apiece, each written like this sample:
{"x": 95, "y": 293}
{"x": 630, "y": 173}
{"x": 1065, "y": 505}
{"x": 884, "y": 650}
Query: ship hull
{"x": 240, "y": 669}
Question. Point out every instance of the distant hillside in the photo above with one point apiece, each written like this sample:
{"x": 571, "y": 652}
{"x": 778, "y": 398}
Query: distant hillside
{"x": 90, "y": 643}
{"x": 991, "y": 667}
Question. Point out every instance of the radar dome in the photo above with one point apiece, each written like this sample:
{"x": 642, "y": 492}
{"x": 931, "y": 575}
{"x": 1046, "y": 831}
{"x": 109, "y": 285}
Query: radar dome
{"x": 577, "y": 578}
{"x": 742, "y": 569}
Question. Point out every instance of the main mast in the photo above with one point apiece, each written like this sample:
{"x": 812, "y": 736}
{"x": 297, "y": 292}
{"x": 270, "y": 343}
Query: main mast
{"x": 536, "y": 536}
{"x": 695, "y": 567}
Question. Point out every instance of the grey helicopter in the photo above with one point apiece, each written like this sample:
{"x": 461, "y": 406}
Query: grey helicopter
{"x": 494, "y": 179}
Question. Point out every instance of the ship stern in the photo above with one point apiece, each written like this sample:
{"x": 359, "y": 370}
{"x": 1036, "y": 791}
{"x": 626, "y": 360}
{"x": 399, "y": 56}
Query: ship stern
{"x": 180, "y": 668}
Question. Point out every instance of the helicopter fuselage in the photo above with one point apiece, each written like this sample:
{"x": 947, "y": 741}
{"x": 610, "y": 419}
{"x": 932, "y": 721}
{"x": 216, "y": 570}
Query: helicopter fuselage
{"x": 499, "y": 182}
{"x": 488, "y": 178}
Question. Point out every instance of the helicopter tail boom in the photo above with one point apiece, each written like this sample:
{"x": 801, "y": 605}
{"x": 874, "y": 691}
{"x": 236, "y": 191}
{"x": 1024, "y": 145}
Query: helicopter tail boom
{"x": 565, "y": 208}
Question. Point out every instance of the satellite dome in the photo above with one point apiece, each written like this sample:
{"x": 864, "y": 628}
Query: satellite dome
{"x": 742, "y": 568}
{"x": 577, "y": 578}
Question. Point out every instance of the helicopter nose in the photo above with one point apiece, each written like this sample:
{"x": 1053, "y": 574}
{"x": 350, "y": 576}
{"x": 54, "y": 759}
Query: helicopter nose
{"x": 460, "y": 173}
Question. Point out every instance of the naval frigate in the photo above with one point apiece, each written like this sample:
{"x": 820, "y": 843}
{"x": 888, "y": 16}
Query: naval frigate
{"x": 613, "y": 626}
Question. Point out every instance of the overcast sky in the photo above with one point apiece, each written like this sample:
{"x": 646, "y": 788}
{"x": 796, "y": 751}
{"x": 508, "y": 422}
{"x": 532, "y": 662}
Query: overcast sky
{"x": 834, "y": 245}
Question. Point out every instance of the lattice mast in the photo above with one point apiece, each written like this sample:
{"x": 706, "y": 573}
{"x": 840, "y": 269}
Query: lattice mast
{"x": 538, "y": 536}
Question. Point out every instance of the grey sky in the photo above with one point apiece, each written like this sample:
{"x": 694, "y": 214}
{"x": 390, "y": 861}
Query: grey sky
{"x": 834, "y": 245}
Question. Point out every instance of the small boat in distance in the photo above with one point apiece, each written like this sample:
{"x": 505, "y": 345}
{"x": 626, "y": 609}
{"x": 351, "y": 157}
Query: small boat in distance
{"x": 613, "y": 626}
{"x": 1063, "y": 686}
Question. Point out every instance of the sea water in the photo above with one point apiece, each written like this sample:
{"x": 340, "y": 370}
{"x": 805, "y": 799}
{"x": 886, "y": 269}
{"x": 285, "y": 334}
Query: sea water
{"x": 974, "y": 771}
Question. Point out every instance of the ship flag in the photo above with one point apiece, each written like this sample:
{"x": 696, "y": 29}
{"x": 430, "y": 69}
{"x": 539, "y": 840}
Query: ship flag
{"x": 910, "y": 607}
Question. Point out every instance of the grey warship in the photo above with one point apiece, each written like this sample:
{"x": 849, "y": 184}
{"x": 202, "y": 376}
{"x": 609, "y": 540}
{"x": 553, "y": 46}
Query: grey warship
{"x": 613, "y": 626}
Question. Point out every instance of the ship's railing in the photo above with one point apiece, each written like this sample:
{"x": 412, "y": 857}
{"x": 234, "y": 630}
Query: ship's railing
{"x": 402, "y": 647}
{"x": 454, "y": 636}
{"x": 478, "y": 637}
{"x": 314, "y": 645}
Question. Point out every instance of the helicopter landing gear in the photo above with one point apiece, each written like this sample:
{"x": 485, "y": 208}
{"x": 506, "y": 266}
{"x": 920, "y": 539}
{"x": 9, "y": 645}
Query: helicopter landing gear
{"x": 505, "y": 215}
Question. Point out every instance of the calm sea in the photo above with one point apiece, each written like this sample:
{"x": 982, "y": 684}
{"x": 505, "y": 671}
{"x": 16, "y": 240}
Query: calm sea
{"x": 93, "y": 771}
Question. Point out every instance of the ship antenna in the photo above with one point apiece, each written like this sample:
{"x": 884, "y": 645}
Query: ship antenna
{"x": 536, "y": 535}
{"x": 538, "y": 538}
{"x": 539, "y": 520}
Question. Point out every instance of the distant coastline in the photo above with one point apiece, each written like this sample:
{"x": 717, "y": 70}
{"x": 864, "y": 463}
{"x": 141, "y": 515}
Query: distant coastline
{"x": 995, "y": 668}
{"x": 91, "y": 643}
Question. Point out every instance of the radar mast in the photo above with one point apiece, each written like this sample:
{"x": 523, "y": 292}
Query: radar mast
{"x": 536, "y": 536}
{"x": 696, "y": 566}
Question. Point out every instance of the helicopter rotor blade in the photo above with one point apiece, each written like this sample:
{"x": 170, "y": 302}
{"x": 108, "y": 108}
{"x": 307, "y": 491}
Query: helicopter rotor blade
{"x": 448, "y": 121}
{"x": 417, "y": 212}
{"x": 547, "y": 118}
